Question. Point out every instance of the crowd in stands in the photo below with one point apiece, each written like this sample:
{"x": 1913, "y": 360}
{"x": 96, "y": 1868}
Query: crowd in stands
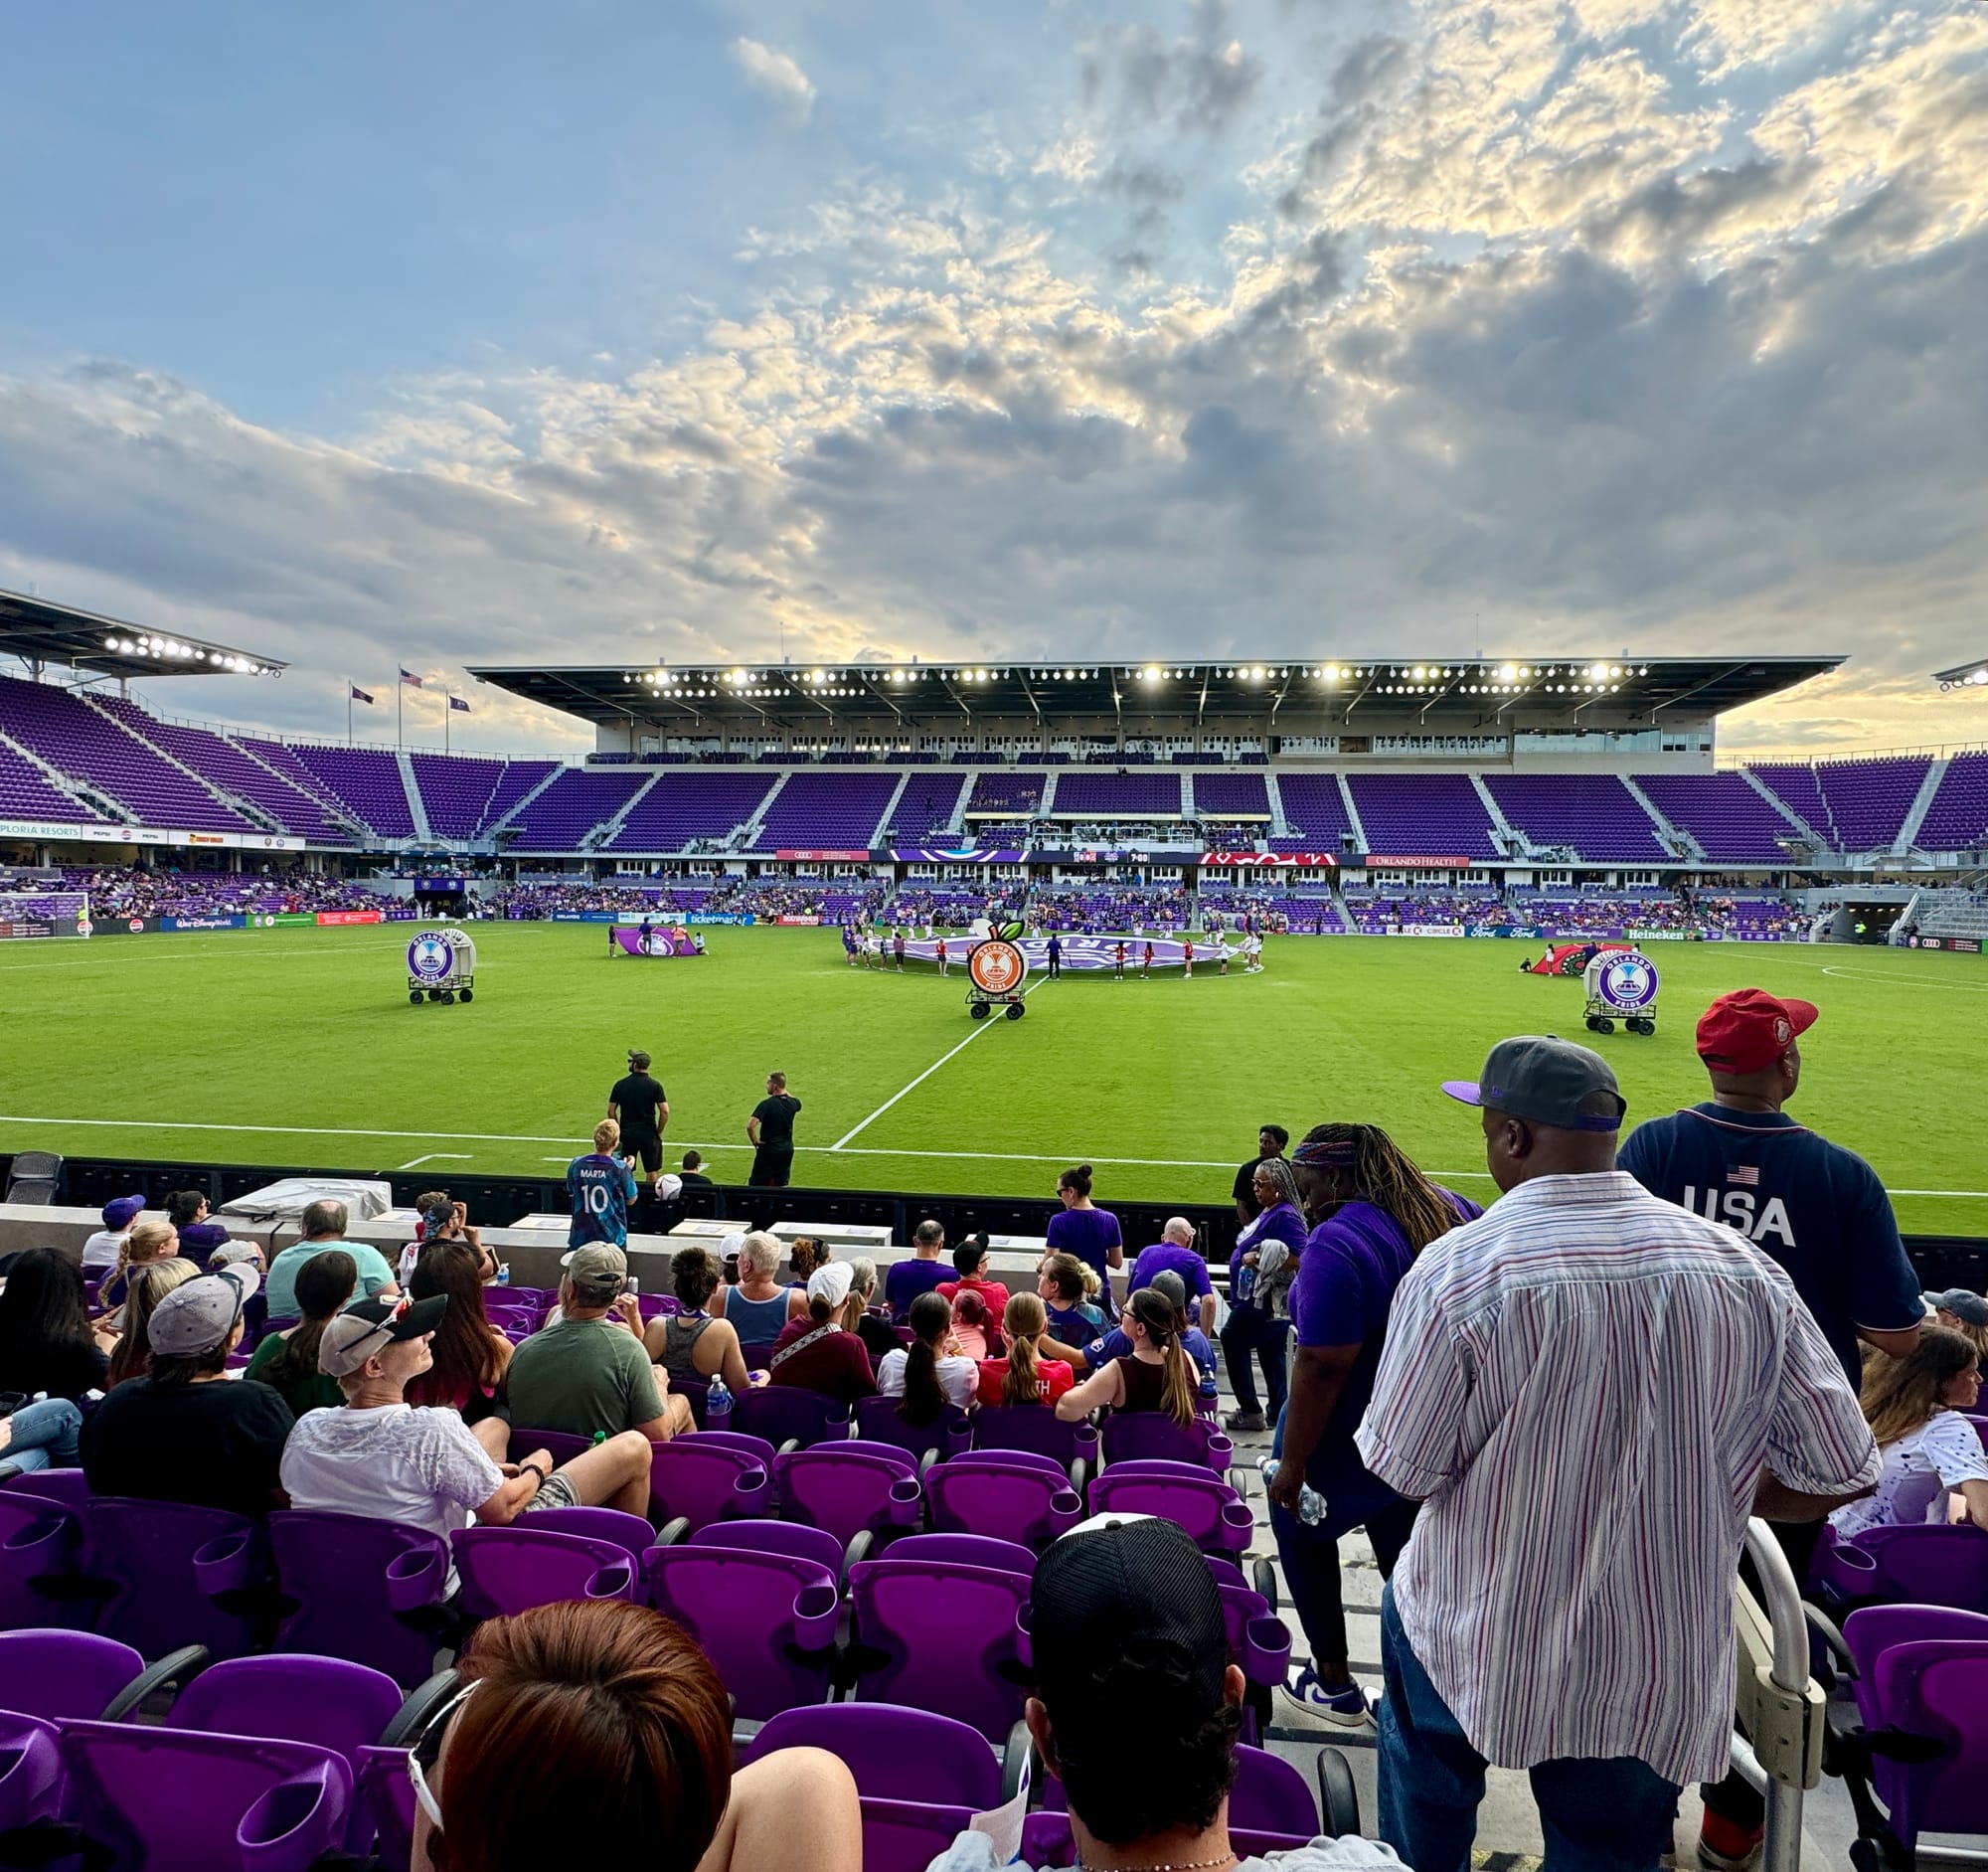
{"x": 1805, "y": 1377}
{"x": 148, "y": 891}
{"x": 1101, "y": 912}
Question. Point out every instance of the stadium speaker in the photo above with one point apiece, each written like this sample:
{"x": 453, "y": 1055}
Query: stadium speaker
{"x": 1347, "y": 844}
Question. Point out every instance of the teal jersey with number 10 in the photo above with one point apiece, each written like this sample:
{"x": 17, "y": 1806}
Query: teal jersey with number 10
{"x": 599, "y": 1189}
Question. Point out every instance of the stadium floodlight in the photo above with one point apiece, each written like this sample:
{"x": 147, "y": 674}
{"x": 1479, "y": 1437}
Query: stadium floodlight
{"x": 1965, "y": 676}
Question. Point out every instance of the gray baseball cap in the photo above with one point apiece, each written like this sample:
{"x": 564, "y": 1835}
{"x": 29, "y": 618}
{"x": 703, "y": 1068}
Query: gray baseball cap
{"x": 1548, "y": 1080}
{"x": 1962, "y": 1304}
{"x": 595, "y": 1270}
{"x": 198, "y": 1314}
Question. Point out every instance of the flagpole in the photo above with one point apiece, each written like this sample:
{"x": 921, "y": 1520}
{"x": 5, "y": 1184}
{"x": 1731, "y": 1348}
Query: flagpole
{"x": 447, "y": 709}
{"x": 348, "y": 710}
{"x": 400, "y": 686}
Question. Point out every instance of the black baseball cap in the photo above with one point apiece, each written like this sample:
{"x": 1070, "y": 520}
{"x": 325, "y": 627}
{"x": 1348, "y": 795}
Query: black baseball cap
{"x": 1548, "y": 1080}
{"x": 1134, "y": 1587}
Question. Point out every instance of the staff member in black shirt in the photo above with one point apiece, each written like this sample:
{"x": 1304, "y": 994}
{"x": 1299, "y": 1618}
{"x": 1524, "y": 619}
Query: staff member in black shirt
{"x": 1270, "y": 1142}
{"x": 641, "y": 1105}
{"x": 771, "y": 1132}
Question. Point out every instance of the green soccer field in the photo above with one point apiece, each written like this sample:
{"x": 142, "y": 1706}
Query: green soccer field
{"x": 298, "y": 1046}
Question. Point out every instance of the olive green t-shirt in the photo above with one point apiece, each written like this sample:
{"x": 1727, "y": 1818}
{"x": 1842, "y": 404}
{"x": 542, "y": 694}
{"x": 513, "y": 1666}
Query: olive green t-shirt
{"x": 580, "y": 1376}
{"x": 313, "y": 1393}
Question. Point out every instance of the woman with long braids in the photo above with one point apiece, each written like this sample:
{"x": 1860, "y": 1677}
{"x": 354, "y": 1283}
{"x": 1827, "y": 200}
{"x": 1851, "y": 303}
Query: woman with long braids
{"x": 1373, "y": 1212}
{"x": 1156, "y": 1375}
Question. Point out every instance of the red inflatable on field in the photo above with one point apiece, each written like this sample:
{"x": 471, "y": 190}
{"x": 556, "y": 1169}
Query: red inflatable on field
{"x": 1570, "y": 958}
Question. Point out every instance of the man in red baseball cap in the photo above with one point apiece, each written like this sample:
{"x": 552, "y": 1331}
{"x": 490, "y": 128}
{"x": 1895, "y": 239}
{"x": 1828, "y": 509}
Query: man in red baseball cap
{"x": 1814, "y": 1207}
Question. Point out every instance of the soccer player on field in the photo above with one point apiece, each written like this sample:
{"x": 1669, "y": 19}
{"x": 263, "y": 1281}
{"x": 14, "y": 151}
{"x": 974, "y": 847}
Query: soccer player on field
{"x": 1146, "y": 967}
{"x": 1118, "y": 962}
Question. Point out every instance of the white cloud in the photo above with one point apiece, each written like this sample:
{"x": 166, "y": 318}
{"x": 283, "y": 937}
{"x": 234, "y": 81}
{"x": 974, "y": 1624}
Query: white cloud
{"x": 775, "y": 74}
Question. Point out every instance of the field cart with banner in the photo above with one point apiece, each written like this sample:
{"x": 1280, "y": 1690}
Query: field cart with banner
{"x": 995, "y": 971}
{"x": 1621, "y": 984}
{"x": 441, "y": 966}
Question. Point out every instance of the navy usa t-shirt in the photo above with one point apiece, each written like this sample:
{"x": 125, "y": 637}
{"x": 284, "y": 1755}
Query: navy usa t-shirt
{"x": 1814, "y": 1207}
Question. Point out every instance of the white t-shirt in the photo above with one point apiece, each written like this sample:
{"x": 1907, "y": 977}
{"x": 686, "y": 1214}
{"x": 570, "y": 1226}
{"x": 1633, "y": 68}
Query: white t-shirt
{"x": 975, "y": 1852}
{"x": 1918, "y": 1470}
{"x": 393, "y": 1462}
{"x": 102, "y": 1248}
{"x": 958, "y": 1378}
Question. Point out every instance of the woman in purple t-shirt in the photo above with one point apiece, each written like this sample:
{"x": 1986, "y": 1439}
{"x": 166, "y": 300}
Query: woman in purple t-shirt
{"x": 1091, "y": 1234}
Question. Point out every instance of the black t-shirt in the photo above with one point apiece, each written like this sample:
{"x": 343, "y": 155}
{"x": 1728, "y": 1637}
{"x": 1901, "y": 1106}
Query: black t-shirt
{"x": 216, "y": 1445}
{"x": 776, "y": 1118}
{"x": 638, "y": 1098}
{"x": 63, "y": 1371}
{"x": 688, "y": 1177}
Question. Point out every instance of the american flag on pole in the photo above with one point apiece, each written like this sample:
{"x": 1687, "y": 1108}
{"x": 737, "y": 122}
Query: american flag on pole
{"x": 412, "y": 681}
{"x": 1749, "y": 1173}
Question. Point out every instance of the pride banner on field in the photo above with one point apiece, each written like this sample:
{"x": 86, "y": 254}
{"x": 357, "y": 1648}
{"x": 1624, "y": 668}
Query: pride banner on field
{"x": 657, "y": 940}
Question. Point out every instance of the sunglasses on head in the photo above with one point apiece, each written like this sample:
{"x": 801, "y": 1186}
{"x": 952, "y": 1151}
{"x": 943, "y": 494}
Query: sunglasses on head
{"x": 425, "y": 1754}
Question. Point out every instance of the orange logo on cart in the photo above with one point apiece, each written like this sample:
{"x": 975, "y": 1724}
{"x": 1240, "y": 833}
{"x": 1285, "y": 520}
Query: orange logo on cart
{"x": 997, "y": 967}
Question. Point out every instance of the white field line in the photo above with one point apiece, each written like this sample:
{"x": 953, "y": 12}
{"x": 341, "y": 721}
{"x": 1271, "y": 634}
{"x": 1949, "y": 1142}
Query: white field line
{"x": 439, "y": 1157}
{"x": 979, "y": 1028}
{"x": 197, "y": 951}
{"x": 942, "y": 1156}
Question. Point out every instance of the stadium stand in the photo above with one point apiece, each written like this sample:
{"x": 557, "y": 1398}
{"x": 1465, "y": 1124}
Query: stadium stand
{"x": 1856, "y": 805}
{"x": 574, "y": 807}
{"x": 25, "y": 792}
{"x": 688, "y": 805}
{"x": 1315, "y": 809}
{"x": 1593, "y": 814}
{"x": 1957, "y": 818}
{"x": 1433, "y": 814}
{"x": 1007, "y": 795}
{"x": 1135, "y": 795}
{"x": 1724, "y": 812}
{"x": 369, "y": 781}
{"x": 827, "y": 810}
{"x": 79, "y": 740}
{"x": 1232, "y": 795}
{"x": 456, "y": 792}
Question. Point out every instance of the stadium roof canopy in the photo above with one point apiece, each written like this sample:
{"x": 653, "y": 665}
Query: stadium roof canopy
{"x": 1444, "y": 693}
{"x": 37, "y": 631}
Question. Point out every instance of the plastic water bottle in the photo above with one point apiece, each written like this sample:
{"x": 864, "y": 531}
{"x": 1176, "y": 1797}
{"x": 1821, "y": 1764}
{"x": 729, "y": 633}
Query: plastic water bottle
{"x": 503, "y": 1274}
{"x": 1245, "y": 1285}
{"x": 718, "y": 1405}
{"x": 1208, "y": 1393}
{"x": 1311, "y": 1504}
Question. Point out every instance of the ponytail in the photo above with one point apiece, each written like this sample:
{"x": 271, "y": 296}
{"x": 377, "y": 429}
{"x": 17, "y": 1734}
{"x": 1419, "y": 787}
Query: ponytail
{"x": 924, "y": 1397}
{"x": 1024, "y": 1318}
{"x": 1162, "y": 1322}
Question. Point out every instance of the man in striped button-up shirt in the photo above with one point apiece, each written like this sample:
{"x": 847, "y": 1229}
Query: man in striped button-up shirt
{"x": 1590, "y": 1390}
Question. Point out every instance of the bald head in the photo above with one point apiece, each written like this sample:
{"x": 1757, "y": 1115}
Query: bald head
{"x": 1179, "y": 1232}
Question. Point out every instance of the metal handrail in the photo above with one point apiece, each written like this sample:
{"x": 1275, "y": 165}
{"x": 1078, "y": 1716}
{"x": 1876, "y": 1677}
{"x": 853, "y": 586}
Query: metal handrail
{"x": 1786, "y": 1756}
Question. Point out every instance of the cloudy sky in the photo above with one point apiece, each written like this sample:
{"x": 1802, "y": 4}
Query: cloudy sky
{"x": 615, "y": 330}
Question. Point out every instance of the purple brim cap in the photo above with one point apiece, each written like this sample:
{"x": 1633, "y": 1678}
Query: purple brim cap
{"x": 1463, "y": 1090}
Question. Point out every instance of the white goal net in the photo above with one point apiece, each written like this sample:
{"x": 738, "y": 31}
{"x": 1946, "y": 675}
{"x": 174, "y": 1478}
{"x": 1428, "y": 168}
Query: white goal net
{"x": 44, "y": 913}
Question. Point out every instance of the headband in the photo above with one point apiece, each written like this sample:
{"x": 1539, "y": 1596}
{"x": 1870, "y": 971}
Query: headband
{"x": 1333, "y": 1153}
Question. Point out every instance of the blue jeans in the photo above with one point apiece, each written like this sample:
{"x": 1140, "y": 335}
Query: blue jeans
{"x": 1609, "y": 1814}
{"x": 1252, "y": 1331}
{"x": 44, "y": 1435}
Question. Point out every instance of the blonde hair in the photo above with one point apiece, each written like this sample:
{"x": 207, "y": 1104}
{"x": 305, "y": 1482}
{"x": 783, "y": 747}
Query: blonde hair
{"x": 1023, "y": 1319}
{"x": 132, "y": 1356}
{"x": 1901, "y": 1394}
{"x": 862, "y": 1286}
{"x": 141, "y": 1244}
{"x": 606, "y": 1135}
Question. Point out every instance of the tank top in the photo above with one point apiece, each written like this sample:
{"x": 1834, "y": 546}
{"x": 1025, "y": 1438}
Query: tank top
{"x": 1145, "y": 1384}
{"x": 680, "y": 1337}
{"x": 759, "y": 1322}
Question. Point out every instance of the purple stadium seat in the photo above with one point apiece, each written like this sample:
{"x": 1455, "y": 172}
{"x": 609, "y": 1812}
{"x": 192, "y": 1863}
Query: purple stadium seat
{"x": 176, "y": 1801}
{"x": 42, "y": 1547}
{"x": 786, "y": 1413}
{"x": 31, "y": 1773}
{"x": 907, "y": 1835}
{"x": 894, "y": 1754}
{"x": 1007, "y": 1495}
{"x": 75, "y": 1676}
{"x": 698, "y": 1480}
{"x": 175, "y": 1575}
{"x": 324, "y": 1701}
{"x": 508, "y": 1570}
{"x": 849, "y": 1488}
{"x": 1152, "y": 1436}
{"x": 1212, "y": 1513}
{"x": 1041, "y": 1431}
{"x": 776, "y": 1537}
{"x": 779, "y": 1655}
{"x": 968, "y": 1550}
{"x": 694, "y": 803}
{"x": 826, "y": 810}
{"x": 878, "y": 1421}
{"x": 362, "y": 1589}
{"x": 387, "y": 1798}
{"x": 573, "y": 805}
{"x": 940, "y": 1635}
{"x": 1957, "y": 818}
{"x": 630, "y": 1532}
{"x": 1134, "y": 796}
{"x": 1422, "y": 815}
{"x": 367, "y": 781}
{"x": 1917, "y": 1566}
{"x": 1594, "y": 813}
{"x": 1922, "y": 1670}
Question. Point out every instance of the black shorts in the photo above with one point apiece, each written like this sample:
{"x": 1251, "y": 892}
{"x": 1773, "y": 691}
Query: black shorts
{"x": 772, "y": 1165}
{"x": 648, "y": 1149}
